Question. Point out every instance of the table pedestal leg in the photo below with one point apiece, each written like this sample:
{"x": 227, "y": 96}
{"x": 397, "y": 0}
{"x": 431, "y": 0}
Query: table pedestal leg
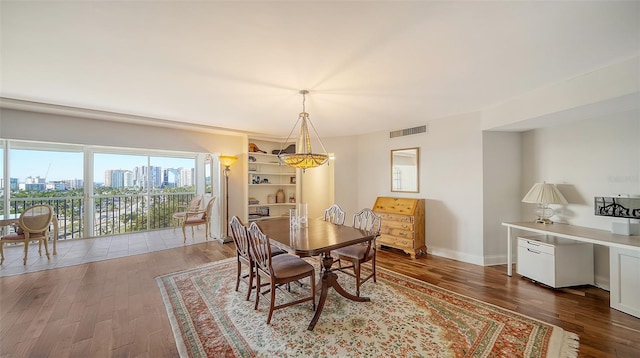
{"x": 330, "y": 279}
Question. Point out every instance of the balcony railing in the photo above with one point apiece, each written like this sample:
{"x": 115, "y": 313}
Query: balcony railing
{"x": 111, "y": 214}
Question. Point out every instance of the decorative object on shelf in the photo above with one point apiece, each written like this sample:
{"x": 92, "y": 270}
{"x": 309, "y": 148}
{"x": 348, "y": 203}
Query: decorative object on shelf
{"x": 271, "y": 198}
{"x": 304, "y": 158}
{"x": 621, "y": 206}
{"x": 253, "y": 201}
{"x": 227, "y": 161}
{"x": 290, "y": 149}
{"x": 292, "y": 199}
{"x": 544, "y": 194}
{"x": 253, "y": 148}
{"x": 280, "y": 196}
{"x": 292, "y": 180}
{"x": 251, "y": 159}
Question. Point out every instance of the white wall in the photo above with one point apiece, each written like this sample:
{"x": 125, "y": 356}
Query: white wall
{"x": 596, "y": 156}
{"x": 450, "y": 180}
{"x": 501, "y": 159}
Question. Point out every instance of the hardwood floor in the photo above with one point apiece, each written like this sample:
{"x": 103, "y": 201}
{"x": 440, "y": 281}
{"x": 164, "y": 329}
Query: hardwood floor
{"x": 114, "y": 307}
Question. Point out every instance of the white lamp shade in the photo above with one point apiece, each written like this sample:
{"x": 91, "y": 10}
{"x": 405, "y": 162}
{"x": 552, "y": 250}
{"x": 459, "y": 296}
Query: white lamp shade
{"x": 544, "y": 193}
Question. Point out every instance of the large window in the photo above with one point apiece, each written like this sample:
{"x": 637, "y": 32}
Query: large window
{"x": 48, "y": 174}
{"x": 134, "y": 192}
{"x": 120, "y": 191}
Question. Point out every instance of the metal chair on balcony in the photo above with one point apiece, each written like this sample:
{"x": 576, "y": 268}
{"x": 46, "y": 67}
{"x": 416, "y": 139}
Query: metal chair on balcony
{"x": 197, "y": 218}
{"x": 194, "y": 205}
{"x": 33, "y": 225}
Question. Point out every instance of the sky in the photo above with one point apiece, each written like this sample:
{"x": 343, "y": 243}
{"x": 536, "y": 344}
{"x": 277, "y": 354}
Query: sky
{"x": 68, "y": 165}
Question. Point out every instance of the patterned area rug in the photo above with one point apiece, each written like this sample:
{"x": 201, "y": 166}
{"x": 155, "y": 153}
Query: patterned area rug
{"x": 405, "y": 318}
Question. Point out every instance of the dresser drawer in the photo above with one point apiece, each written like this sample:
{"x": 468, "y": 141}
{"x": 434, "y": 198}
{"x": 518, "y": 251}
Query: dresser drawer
{"x": 399, "y": 242}
{"x": 390, "y": 225}
{"x": 395, "y": 217}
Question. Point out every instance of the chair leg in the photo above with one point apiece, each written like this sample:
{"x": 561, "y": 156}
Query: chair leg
{"x": 1, "y": 252}
{"x": 356, "y": 270}
{"x": 312, "y": 278}
{"x": 373, "y": 267}
{"x": 238, "y": 274}
{"x": 26, "y": 252}
{"x": 184, "y": 233}
{"x": 257, "y": 291}
{"x": 251, "y": 274}
{"x": 46, "y": 249}
{"x": 273, "y": 301}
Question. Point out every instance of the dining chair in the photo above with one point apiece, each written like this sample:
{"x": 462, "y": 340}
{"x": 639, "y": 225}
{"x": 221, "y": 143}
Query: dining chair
{"x": 243, "y": 253}
{"x": 358, "y": 254}
{"x": 334, "y": 215}
{"x": 178, "y": 217}
{"x": 197, "y": 218}
{"x": 33, "y": 225}
{"x": 279, "y": 270}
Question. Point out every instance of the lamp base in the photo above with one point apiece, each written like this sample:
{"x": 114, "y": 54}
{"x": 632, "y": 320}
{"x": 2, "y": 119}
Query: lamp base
{"x": 225, "y": 239}
{"x": 543, "y": 221}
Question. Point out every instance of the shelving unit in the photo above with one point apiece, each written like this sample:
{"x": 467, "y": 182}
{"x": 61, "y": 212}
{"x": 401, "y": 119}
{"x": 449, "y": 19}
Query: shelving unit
{"x": 263, "y": 167}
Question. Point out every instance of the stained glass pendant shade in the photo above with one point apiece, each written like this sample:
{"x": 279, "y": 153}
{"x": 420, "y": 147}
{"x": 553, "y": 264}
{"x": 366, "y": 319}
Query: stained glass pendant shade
{"x": 304, "y": 158}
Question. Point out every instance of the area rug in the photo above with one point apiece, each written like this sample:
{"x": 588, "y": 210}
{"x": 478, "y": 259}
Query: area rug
{"x": 405, "y": 318}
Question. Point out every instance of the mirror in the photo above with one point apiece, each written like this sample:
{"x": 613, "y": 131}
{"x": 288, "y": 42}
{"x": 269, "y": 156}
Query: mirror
{"x": 405, "y": 170}
{"x": 208, "y": 188}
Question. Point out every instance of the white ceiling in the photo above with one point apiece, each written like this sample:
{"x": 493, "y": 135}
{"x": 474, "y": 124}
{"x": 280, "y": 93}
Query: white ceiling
{"x": 369, "y": 66}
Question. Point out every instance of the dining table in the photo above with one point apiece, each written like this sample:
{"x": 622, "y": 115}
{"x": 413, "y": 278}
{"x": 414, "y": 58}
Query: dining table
{"x": 317, "y": 237}
{"x": 13, "y": 219}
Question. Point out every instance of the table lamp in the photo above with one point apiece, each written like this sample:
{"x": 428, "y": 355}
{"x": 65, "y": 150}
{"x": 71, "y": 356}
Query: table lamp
{"x": 544, "y": 194}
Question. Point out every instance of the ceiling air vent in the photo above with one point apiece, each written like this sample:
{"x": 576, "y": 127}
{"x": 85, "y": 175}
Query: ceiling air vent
{"x": 408, "y": 131}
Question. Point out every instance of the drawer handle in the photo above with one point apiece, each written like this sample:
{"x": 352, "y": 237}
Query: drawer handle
{"x": 403, "y": 233}
{"x": 533, "y": 243}
{"x": 534, "y": 251}
{"x": 404, "y": 226}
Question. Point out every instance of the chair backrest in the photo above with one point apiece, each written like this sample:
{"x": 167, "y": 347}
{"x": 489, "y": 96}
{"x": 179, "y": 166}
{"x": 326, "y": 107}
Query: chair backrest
{"x": 260, "y": 248}
{"x": 334, "y": 215}
{"x": 208, "y": 210}
{"x": 240, "y": 237}
{"x": 36, "y": 219}
{"x": 194, "y": 205}
{"x": 366, "y": 219}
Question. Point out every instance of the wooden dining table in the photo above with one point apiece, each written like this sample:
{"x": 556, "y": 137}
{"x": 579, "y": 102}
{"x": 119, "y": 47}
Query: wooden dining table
{"x": 317, "y": 238}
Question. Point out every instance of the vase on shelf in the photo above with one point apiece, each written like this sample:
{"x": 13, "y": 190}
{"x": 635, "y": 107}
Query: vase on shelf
{"x": 280, "y": 196}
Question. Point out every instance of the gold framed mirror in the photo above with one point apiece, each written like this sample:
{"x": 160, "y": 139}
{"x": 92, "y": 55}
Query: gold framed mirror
{"x": 405, "y": 170}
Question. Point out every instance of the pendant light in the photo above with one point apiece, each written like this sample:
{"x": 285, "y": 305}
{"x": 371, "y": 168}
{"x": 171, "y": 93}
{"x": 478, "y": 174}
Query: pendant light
{"x": 304, "y": 158}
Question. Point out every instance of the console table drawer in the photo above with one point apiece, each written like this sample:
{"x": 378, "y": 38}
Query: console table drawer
{"x": 554, "y": 261}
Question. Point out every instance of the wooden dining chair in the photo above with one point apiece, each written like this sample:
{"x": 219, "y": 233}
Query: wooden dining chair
{"x": 243, "y": 254}
{"x": 279, "y": 270}
{"x": 358, "y": 254}
{"x": 197, "y": 218}
{"x": 33, "y": 225}
{"x": 178, "y": 217}
{"x": 334, "y": 215}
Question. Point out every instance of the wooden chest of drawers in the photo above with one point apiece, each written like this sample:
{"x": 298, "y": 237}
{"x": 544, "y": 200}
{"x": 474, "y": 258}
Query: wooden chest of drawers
{"x": 402, "y": 224}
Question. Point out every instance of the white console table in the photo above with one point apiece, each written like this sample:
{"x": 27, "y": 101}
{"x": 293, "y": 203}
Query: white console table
{"x": 624, "y": 256}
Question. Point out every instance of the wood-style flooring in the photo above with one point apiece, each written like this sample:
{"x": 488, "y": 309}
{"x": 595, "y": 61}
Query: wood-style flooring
{"x": 113, "y": 308}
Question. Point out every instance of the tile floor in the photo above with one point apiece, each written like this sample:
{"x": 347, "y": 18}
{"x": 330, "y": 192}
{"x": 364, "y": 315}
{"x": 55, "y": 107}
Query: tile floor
{"x": 74, "y": 252}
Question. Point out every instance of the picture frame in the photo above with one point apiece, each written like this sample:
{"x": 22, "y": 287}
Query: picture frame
{"x": 292, "y": 180}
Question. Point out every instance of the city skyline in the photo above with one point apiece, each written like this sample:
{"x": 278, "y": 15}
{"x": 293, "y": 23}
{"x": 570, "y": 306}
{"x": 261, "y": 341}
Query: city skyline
{"x": 60, "y": 166}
